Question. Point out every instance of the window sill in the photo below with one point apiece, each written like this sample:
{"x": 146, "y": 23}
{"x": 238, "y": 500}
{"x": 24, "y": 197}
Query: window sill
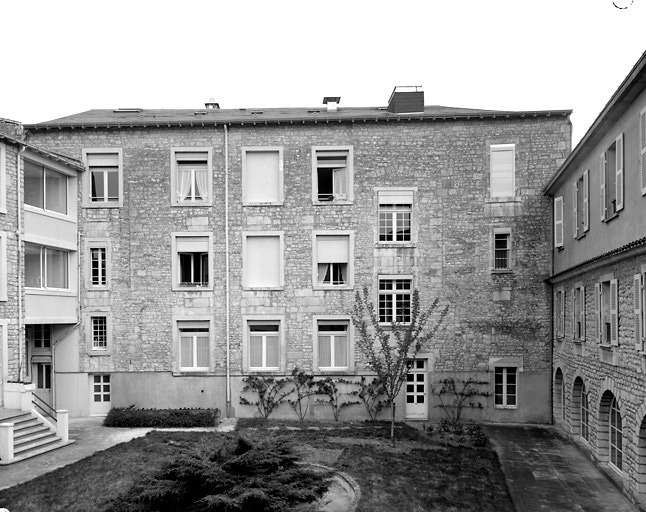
{"x": 192, "y": 373}
{"x": 91, "y": 288}
{"x": 190, "y": 205}
{"x": 193, "y": 289}
{"x": 102, "y": 205}
{"x": 582, "y": 235}
{"x": 611, "y": 217}
{"x": 256, "y": 205}
{"x": 504, "y": 199}
{"x": 605, "y": 346}
{"x": 263, "y": 371}
{"x": 507, "y": 407}
{"x": 336, "y": 203}
{"x": 577, "y": 341}
{"x": 50, "y": 291}
{"x": 395, "y": 245}
{"x": 502, "y": 271}
{"x": 99, "y": 353}
{"x": 331, "y": 288}
{"x": 262, "y": 288}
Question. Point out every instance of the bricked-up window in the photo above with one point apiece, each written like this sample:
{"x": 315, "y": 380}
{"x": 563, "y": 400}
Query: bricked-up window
{"x": 191, "y": 176}
{"x": 502, "y": 170}
{"x": 45, "y": 188}
{"x": 501, "y": 249}
{"x": 559, "y": 313}
{"x": 578, "y": 313}
{"x": 262, "y": 176}
{"x": 581, "y": 211}
{"x": 506, "y": 386}
{"x": 332, "y": 174}
{"x": 395, "y": 295}
{"x": 46, "y": 267}
{"x": 193, "y": 345}
{"x": 262, "y": 260}
{"x": 98, "y": 266}
{"x": 611, "y": 175}
{"x": 332, "y": 257}
{"x": 40, "y": 335}
{"x": 99, "y": 332}
{"x": 105, "y": 178}
{"x": 264, "y": 345}
{"x": 333, "y": 344}
{"x": 558, "y": 222}
{"x": 395, "y": 208}
{"x": 192, "y": 263}
{"x": 607, "y": 312}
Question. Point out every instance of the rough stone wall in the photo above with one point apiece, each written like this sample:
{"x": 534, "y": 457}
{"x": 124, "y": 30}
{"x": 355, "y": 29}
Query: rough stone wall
{"x": 447, "y": 162}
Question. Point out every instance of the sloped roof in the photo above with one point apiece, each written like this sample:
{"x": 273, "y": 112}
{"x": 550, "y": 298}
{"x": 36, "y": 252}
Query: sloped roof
{"x": 62, "y": 159}
{"x": 123, "y": 118}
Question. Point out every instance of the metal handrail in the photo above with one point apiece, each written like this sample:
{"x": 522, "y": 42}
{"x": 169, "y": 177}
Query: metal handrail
{"x": 43, "y": 406}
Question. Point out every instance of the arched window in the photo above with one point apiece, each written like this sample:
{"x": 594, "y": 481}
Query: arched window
{"x": 616, "y": 435}
{"x": 559, "y": 395}
{"x": 585, "y": 415}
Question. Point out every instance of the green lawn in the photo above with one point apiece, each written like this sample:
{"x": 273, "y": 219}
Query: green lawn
{"x": 422, "y": 473}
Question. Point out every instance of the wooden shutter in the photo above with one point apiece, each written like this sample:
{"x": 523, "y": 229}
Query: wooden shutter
{"x": 562, "y": 314}
{"x": 642, "y": 148}
{"x": 602, "y": 180}
{"x": 614, "y": 313}
{"x": 573, "y": 315}
{"x": 586, "y": 200}
{"x": 637, "y": 309}
{"x": 597, "y": 312}
{"x": 619, "y": 183}
{"x": 582, "y": 311}
{"x": 575, "y": 215}
{"x": 558, "y": 221}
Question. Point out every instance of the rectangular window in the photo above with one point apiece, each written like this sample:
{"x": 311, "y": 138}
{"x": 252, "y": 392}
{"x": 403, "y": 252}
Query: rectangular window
{"x": 502, "y": 163}
{"x": 501, "y": 249}
{"x": 262, "y": 176}
{"x": 192, "y": 261}
{"x": 558, "y": 221}
{"x": 332, "y": 174}
{"x": 40, "y": 335}
{"x": 3, "y": 178}
{"x": 581, "y": 209}
{"x": 45, "y": 188}
{"x": 506, "y": 386}
{"x": 101, "y": 388}
{"x": 395, "y": 295}
{"x": 578, "y": 313}
{"x": 99, "y": 332}
{"x": 104, "y": 177}
{"x": 262, "y": 255}
{"x": 98, "y": 266}
{"x": 194, "y": 345}
{"x": 611, "y": 174}
{"x": 333, "y": 344}
{"x": 642, "y": 148}
{"x": 46, "y": 267}
{"x": 639, "y": 299}
{"x": 264, "y": 345}
{"x": 559, "y": 313}
{"x": 395, "y": 208}
{"x": 607, "y": 313}
{"x": 332, "y": 257}
{"x": 191, "y": 176}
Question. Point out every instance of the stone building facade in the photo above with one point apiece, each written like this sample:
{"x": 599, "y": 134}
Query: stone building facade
{"x": 217, "y": 244}
{"x": 599, "y": 368}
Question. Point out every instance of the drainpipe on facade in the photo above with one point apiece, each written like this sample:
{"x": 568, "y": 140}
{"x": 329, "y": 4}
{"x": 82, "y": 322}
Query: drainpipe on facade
{"x": 21, "y": 327}
{"x": 226, "y": 268}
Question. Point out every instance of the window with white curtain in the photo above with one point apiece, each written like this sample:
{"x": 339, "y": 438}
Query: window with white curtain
{"x": 262, "y": 176}
{"x": 191, "y": 176}
{"x": 192, "y": 261}
{"x": 264, "y": 344}
{"x": 262, "y": 260}
{"x": 103, "y": 183}
{"x": 193, "y": 345}
{"x": 333, "y": 344}
{"x": 332, "y": 256}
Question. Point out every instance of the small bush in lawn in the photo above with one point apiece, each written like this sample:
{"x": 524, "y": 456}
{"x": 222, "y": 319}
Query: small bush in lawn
{"x": 476, "y": 433}
{"x": 132, "y": 417}
{"x": 236, "y": 475}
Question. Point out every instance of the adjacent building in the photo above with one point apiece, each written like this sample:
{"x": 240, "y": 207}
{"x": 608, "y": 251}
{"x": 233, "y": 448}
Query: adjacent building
{"x": 598, "y": 282}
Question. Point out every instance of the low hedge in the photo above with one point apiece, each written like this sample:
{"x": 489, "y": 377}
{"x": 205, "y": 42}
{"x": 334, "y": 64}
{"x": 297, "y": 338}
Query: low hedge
{"x": 133, "y": 417}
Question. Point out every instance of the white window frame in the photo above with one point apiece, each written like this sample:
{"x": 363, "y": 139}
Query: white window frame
{"x": 607, "y": 313}
{"x": 642, "y": 149}
{"x": 340, "y": 319}
{"x": 248, "y": 320}
{"x": 578, "y": 306}
{"x": 615, "y": 450}
{"x": 174, "y": 176}
{"x": 246, "y": 200}
{"x": 3, "y": 266}
{"x": 45, "y": 169}
{"x": 639, "y": 310}
{"x": 44, "y": 271}
{"x": 605, "y": 212}
{"x": 581, "y": 208}
{"x": 558, "y": 222}
{"x": 176, "y": 267}
{"x": 388, "y": 277}
{"x": 495, "y": 148}
{"x": 559, "y": 312}
{"x": 505, "y": 395}
{"x": 388, "y": 197}
{"x": 510, "y": 263}
{"x": 246, "y": 285}
{"x": 86, "y": 201}
{"x": 3, "y": 178}
{"x": 349, "y": 181}
{"x": 98, "y": 243}
{"x": 206, "y": 322}
{"x": 92, "y": 348}
{"x": 349, "y": 284}
{"x": 585, "y": 414}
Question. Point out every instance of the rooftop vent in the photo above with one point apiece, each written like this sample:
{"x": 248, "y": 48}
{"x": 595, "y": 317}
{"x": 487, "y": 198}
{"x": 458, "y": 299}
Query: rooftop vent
{"x": 127, "y": 110}
{"x": 212, "y": 104}
{"x": 332, "y": 102}
{"x": 406, "y": 99}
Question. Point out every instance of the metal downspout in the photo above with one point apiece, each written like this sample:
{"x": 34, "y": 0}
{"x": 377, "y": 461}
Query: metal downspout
{"x": 22, "y": 359}
{"x": 226, "y": 268}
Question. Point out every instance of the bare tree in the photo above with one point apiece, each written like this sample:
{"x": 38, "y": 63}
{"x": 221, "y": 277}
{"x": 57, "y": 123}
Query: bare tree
{"x": 388, "y": 349}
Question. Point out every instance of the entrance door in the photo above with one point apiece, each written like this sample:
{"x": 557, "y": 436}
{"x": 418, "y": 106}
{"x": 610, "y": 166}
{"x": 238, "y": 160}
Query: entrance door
{"x": 416, "y": 390}
{"x": 43, "y": 378}
{"x": 100, "y": 394}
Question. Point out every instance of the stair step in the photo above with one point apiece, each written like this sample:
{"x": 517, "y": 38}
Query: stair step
{"x": 18, "y": 419}
{"x": 36, "y": 436}
{"x": 31, "y": 422}
{"x": 36, "y": 445}
{"x": 25, "y": 431}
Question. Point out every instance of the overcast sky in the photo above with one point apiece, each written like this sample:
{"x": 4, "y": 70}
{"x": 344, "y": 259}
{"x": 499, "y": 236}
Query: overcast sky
{"x": 67, "y": 56}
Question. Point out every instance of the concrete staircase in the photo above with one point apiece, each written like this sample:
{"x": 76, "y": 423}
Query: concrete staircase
{"x": 31, "y": 435}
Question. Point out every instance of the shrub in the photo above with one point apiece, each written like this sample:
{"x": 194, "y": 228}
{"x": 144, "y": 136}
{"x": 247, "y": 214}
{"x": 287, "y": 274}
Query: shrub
{"x": 271, "y": 392}
{"x": 133, "y": 417}
{"x": 476, "y": 433}
{"x": 236, "y": 475}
